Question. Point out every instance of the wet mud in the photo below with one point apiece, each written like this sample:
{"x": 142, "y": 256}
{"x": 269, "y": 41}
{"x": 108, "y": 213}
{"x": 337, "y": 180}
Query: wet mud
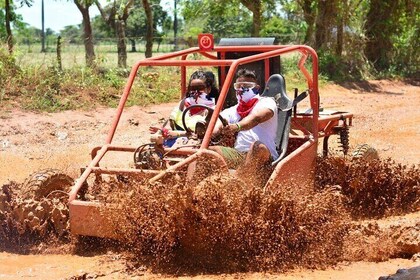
{"x": 26, "y": 225}
{"x": 223, "y": 224}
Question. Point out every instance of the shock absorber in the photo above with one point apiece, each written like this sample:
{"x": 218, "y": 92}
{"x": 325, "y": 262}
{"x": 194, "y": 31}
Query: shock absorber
{"x": 344, "y": 139}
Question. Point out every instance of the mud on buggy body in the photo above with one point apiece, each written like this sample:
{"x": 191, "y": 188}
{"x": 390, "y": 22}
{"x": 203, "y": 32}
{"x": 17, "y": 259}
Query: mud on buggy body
{"x": 297, "y": 135}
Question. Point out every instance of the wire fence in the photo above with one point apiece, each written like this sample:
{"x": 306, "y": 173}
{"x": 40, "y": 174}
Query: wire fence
{"x": 73, "y": 49}
{"x": 104, "y": 45}
{"x": 134, "y": 44}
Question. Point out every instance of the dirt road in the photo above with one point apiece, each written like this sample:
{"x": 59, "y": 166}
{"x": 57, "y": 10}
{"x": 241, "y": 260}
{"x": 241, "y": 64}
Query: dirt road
{"x": 386, "y": 116}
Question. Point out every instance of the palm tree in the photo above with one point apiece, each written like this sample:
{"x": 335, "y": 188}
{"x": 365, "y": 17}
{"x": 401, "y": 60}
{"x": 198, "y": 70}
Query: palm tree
{"x": 43, "y": 26}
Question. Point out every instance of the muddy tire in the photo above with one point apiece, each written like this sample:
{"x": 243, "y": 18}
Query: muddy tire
{"x": 365, "y": 152}
{"x": 44, "y": 183}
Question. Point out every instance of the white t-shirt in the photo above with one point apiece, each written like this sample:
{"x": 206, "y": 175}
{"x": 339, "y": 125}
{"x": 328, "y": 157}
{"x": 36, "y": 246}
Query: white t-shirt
{"x": 264, "y": 132}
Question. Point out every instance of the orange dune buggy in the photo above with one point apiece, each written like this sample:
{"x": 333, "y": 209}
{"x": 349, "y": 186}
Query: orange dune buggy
{"x": 297, "y": 136}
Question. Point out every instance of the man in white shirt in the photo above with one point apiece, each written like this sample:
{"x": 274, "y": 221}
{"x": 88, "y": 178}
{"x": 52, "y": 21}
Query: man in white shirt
{"x": 254, "y": 118}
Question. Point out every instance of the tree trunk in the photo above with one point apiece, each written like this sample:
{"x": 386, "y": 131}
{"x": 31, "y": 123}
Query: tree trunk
{"x": 340, "y": 34}
{"x": 255, "y": 6}
{"x": 121, "y": 45}
{"x": 116, "y": 19}
{"x": 379, "y": 28}
{"x": 325, "y": 18}
{"x": 309, "y": 15}
{"x": 87, "y": 34}
{"x": 59, "y": 64}
{"x": 9, "y": 37}
{"x": 43, "y": 27}
{"x": 149, "y": 30}
{"x": 133, "y": 45}
{"x": 256, "y": 20}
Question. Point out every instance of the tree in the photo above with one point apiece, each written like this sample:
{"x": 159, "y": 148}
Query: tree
{"x": 255, "y": 6}
{"x": 309, "y": 13}
{"x": 9, "y": 38}
{"x": 221, "y": 18}
{"x": 327, "y": 10}
{"x": 71, "y": 34}
{"x": 10, "y": 16}
{"x": 83, "y": 6}
{"x": 149, "y": 25}
{"x": 381, "y": 24}
{"x": 115, "y": 15}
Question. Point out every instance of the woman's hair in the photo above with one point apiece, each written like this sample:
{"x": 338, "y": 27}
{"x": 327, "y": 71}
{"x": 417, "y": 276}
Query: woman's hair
{"x": 214, "y": 92}
{"x": 200, "y": 75}
{"x": 208, "y": 79}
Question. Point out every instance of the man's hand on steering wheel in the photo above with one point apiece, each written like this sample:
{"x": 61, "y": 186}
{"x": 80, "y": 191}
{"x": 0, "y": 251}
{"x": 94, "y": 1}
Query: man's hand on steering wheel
{"x": 207, "y": 118}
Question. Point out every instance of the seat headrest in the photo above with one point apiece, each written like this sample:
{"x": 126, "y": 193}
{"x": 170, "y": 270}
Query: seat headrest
{"x": 276, "y": 88}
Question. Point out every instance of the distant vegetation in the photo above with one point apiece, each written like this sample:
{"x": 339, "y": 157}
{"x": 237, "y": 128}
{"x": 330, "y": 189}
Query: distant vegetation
{"x": 355, "y": 40}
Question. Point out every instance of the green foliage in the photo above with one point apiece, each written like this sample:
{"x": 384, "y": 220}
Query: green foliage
{"x": 287, "y": 20}
{"x": 294, "y": 77}
{"x": 2, "y": 26}
{"x": 406, "y": 51}
{"x": 40, "y": 88}
{"x": 286, "y": 31}
{"x": 72, "y": 34}
{"x": 221, "y": 18}
{"x": 156, "y": 85}
{"x": 8, "y": 67}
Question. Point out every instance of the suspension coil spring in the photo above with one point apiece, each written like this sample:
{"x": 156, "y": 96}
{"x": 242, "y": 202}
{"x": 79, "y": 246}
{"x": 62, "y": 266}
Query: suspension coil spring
{"x": 344, "y": 139}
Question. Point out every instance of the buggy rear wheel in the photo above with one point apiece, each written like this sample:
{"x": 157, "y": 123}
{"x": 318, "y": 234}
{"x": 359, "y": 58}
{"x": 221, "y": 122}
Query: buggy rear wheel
{"x": 365, "y": 152}
{"x": 44, "y": 197}
{"x": 45, "y": 183}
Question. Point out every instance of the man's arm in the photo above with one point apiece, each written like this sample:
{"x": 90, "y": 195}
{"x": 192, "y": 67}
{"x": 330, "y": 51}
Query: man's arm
{"x": 252, "y": 120}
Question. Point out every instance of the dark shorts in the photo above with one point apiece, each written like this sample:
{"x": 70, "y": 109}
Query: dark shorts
{"x": 233, "y": 157}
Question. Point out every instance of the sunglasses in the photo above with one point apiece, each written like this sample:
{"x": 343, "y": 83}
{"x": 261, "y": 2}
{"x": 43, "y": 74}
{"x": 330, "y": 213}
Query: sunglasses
{"x": 249, "y": 85}
{"x": 199, "y": 87}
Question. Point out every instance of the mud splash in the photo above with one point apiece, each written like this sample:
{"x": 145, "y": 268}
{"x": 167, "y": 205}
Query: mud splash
{"x": 27, "y": 223}
{"x": 372, "y": 188}
{"x": 225, "y": 225}
{"x": 222, "y": 224}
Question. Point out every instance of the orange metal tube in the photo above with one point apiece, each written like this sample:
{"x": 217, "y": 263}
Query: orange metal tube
{"x": 188, "y": 160}
{"x": 266, "y": 69}
{"x": 98, "y": 170}
{"x": 175, "y": 54}
{"x": 244, "y": 60}
{"x": 312, "y": 84}
{"x": 206, "y": 54}
{"x": 75, "y": 189}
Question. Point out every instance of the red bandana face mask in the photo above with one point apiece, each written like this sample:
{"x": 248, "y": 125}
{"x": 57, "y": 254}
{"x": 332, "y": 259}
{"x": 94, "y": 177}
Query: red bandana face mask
{"x": 246, "y": 101}
{"x": 198, "y": 98}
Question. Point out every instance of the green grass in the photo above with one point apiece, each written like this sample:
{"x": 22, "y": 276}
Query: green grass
{"x": 74, "y": 55}
{"x": 32, "y": 80}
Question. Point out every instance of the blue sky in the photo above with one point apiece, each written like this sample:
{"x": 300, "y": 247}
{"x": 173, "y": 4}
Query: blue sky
{"x": 61, "y": 13}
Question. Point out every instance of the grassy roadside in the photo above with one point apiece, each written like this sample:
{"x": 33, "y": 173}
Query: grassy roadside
{"x": 42, "y": 87}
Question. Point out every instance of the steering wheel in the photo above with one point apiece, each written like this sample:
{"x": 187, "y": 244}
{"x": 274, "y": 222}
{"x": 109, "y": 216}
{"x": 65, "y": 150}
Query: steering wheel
{"x": 207, "y": 118}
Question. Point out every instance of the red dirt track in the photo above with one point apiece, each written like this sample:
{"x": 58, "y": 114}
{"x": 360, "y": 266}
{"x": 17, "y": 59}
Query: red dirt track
{"x": 386, "y": 116}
